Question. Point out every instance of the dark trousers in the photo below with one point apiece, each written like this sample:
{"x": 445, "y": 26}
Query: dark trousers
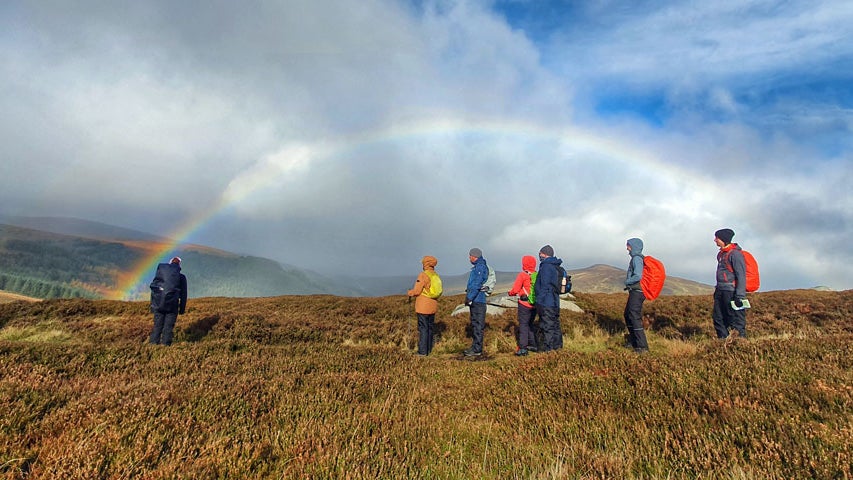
{"x": 634, "y": 319}
{"x": 526, "y": 328}
{"x": 549, "y": 323}
{"x": 725, "y": 317}
{"x": 164, "y": 324}
{"x": 426, "y": 323}
{"x": 477, "y": 313}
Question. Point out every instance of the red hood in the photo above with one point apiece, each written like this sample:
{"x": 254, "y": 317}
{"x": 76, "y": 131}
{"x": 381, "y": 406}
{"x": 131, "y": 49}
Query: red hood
{"x": 528, "y": 263}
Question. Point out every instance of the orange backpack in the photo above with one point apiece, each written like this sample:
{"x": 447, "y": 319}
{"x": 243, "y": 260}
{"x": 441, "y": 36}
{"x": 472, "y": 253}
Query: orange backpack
{"x": 753, "y": 279}
{"x": 654, "y": 275}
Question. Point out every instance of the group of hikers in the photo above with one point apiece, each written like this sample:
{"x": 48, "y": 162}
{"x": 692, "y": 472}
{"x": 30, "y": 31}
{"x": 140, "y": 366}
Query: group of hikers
{"x": 538, "y": 293}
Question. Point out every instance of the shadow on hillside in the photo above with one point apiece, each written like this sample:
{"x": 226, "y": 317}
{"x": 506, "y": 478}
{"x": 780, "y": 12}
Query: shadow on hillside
{"x": 667, "y": 327}
{"x": 611, "y": 325}
{"x": 200, "y": 328}
{"x": 438, "y": 329}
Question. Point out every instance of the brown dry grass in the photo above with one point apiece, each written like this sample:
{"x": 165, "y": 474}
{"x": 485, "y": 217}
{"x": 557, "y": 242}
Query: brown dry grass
{"x": 329, "y": 387}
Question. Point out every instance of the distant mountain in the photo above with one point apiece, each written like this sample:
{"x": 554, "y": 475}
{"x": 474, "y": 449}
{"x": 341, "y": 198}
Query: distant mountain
{"x": 594, "y": 279}
{"x": 79, "y": 228}
{"x": 50, "y": 265}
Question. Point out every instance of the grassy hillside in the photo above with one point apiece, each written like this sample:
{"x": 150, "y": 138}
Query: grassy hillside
{"x": 329, "y": 387}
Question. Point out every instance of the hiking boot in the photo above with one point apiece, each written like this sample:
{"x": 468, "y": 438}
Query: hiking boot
{"x": 471, "y": 353}
{"x": 733, "y": 335}
{"x": 532, "y": 348}
{"x": 521, "y": 352}
{"x": 641, "y": 351}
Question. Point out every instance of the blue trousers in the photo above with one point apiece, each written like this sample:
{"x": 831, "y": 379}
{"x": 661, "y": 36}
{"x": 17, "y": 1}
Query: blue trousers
{"x": 634, "y": 319}
{"x": 477, "y": 312}
{"x": 549, "y": 323}
{"x": 164, "y": 324}
{"x": 426, "y": 323}
{"x": 725, "y": 317}
{"x": 526, "y": 328}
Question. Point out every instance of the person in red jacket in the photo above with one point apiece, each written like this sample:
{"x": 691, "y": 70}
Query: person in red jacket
{"x": 526, "y": 311}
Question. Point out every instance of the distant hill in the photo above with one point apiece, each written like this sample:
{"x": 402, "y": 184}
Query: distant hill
{"x": 79, "y": 228}
{"x": 50, "y": 265}
{"x": 48, "y": 257}
{"x": 594, "y": 279}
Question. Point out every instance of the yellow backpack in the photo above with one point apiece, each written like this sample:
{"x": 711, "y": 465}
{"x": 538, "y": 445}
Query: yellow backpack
{"x": 434, "y": 290}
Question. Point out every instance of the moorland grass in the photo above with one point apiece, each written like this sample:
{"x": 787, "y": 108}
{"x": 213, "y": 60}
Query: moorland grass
{"x": 329, "y": 387}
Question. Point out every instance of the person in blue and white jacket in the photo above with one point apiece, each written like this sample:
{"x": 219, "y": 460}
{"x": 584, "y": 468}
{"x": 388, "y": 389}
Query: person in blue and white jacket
{"x": 475, "y": 299}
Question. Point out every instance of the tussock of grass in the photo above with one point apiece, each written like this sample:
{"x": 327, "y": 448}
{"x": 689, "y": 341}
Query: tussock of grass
{"x": 325, "y": 387}
{"x": 35, "y": 334}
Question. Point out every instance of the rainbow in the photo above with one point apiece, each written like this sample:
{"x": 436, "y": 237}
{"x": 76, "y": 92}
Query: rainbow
{"x": 298, "y": 156}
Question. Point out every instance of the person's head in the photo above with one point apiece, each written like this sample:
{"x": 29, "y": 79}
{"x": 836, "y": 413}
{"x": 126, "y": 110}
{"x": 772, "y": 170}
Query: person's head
{"x": 528, "y": 263}
{"x": 429, "y": 262}
{"x": 546, "y": 251}
{"x": 474, "y": 254}
{"x": 723, "y": 237}
{"x": 175, "y": 261}
{"x": 634, "y": 246}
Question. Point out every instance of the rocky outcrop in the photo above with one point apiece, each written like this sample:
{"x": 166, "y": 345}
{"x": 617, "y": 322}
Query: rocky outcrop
{"x": 498, "y": 304}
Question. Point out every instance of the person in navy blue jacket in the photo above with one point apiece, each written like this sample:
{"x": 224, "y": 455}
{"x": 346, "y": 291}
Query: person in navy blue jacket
{"x": 547, "y": 288}
{"x": 475, "y": 299}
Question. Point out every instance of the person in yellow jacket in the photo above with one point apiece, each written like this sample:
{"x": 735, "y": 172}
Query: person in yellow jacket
{"x": 426, "y": 291}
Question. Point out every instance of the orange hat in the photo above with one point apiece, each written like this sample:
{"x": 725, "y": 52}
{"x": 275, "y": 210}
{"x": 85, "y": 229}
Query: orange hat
{"x": 429, "y": 261}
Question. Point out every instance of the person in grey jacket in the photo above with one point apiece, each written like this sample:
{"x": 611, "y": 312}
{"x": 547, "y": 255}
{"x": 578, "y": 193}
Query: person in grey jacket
{"x": 729, "y": 323}
{"x": 634, "y": 307}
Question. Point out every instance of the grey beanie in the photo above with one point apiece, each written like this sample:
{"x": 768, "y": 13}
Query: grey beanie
{"x": 475, "y": 252}
{"x": 547, "y": 250}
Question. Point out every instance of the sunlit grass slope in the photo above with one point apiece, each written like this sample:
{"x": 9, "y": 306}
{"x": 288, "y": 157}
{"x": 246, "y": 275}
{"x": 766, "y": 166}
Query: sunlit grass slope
{"x": 329, "y": 387}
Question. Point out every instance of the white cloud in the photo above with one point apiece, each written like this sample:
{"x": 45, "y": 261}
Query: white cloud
{"x": 379, "y": 132}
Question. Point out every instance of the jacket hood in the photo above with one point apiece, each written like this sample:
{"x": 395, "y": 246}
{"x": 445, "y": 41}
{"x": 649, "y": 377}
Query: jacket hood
{"x": 554, "y": 260}
{"x": 429, "y": 262}
{"x": 528, "y": 263}
{"x": 636, "y": 246}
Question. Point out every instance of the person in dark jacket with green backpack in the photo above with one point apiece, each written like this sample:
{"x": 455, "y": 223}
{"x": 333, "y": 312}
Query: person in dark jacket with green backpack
{"x": 634, "y": 307}
{"x": 547, "y": 287}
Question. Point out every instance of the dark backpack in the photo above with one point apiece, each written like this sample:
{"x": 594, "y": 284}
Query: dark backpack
{"x": 166, "y": 288}
{"x": 565, "y": 285}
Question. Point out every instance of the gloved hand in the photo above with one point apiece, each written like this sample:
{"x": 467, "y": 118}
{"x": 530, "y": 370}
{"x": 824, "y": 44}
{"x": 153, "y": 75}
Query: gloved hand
{"x": 468, "y": 302}
{"x": 739, "y": 302}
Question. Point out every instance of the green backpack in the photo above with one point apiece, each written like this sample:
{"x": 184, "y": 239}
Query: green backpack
{"x": 531, "y": 297}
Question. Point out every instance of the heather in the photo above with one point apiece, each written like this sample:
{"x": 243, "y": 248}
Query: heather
{"x": 329, "y": 387}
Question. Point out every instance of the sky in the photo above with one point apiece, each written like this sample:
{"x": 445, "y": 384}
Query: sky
{"x": 351, "y": 137}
